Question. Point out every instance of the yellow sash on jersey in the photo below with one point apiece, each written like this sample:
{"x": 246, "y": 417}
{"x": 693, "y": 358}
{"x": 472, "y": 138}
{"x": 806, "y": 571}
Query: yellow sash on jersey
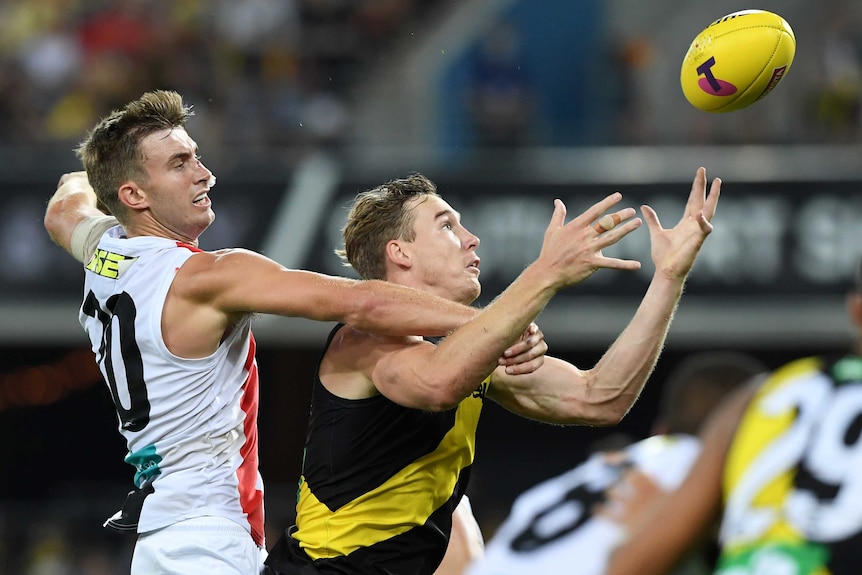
{"x": 757, "y": 433}
{"x": 404, "y": 501}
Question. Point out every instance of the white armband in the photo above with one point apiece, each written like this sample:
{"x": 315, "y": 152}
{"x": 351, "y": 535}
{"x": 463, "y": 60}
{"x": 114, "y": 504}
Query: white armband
{"x": 86, "y": 236}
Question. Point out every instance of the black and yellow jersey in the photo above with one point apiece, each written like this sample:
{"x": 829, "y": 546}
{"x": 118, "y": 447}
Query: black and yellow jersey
{"x": 379, "y": 484}
{"x": 790, "y": 480}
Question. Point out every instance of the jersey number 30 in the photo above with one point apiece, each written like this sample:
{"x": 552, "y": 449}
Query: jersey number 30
{"x": 118, "y": 327}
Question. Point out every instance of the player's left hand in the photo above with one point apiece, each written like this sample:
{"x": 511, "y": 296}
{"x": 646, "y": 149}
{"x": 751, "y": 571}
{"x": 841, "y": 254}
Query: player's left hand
{"x": 674, "y": 250}
{"x": 527, "y": 354}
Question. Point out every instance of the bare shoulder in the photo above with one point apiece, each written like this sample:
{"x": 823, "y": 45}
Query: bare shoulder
{"x": 349, "y": 363}
{"x": 361, "y": 351}
{"x": 208, "y": 272}
{"x": 228, "y": 257}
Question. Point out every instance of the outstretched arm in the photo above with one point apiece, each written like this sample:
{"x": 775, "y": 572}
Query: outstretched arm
{"x": 678, "y": 520}
{"x": 559, "y": 392}
{"x": 244, "y": 282}
{"x": 237, "y": 282}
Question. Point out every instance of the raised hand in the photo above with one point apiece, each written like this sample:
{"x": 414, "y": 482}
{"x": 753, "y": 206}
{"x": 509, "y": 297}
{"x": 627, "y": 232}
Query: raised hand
{"x": 674, "y": 250}
{"x": 574, "y": 250}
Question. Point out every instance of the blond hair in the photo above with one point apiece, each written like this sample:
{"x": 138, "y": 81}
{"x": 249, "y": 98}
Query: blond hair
{"x": 377, "y": 216}
{"x": 111, "y": 152}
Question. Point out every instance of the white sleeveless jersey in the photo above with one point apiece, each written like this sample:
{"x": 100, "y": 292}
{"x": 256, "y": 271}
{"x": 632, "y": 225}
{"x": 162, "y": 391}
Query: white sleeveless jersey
{"x": 550, "y": 528}
{"x": 190, "y": 425}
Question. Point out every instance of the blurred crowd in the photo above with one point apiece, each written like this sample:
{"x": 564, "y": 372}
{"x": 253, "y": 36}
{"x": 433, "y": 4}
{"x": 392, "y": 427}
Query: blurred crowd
{"x": 280, "y": 73}
{"x": 266, "y": 72}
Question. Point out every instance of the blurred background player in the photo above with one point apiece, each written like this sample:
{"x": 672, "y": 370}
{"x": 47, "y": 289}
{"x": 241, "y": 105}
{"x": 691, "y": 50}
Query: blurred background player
{"x": 565, "y": 524}
{"x": 781, "y": 464}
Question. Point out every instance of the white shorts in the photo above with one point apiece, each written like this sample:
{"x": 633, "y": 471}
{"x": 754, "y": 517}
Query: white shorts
{"x": 201, "y": 545}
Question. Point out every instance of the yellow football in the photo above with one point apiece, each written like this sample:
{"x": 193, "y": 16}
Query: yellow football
{"x": 737, "y": 60}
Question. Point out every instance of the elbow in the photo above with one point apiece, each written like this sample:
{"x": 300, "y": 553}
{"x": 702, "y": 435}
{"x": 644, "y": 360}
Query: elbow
{"x": 441, "y": 406}
{"x": 443, "y": 400}
{"x": 363, "y": 309}
{"x": 51, "y": 217}
{"x": 609, "y": 417}
{"x": 606, "y": 408}
{"x": 611, "y": 412}
{"x": 442, "y": 394}
{"x": 599, "y": 420}
{"x": 53, "y": 221}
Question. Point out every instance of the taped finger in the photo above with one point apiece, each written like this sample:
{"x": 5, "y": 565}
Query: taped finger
{"x": 606, "y": 223}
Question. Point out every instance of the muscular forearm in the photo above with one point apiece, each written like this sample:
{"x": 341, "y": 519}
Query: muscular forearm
{"x": 468, "y": 355}
{"x": 620, "y": 375}
{"x": 394, "y": 310}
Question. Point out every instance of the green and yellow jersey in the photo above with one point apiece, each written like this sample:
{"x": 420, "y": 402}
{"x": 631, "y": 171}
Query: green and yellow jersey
{"x": 793, "y": 475}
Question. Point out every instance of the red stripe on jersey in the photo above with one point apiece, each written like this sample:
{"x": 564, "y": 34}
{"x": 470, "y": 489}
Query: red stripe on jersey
{"x": 189, "y": 247}
{"x": 251, "y": 498}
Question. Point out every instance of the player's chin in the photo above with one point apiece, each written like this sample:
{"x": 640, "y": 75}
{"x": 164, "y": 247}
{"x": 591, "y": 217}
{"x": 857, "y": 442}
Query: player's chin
{"x": 477, "y": 289}
{"x": 203, "y": 222}
{"x": 466, "y": 292}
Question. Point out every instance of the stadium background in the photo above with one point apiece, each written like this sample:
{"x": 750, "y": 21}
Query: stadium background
{"x": 506, "y": 104}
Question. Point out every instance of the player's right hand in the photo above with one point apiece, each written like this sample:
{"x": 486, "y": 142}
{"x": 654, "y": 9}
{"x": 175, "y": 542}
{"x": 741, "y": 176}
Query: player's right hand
{"x": 573, "y": 251}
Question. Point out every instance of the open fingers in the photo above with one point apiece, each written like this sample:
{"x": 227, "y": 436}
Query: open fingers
{"x": 617, "y": 232}
{"x": 595, "y": 211}
{"x": 703, "y": 222}
{"x": 698, "y": 198}
{"x": 618, "y": 264}
{"x": 697, "y": 195}
{"x": 559, "y": 216}
{"x": 651, "y": 217}
{"x": 610, "y": 221}
{"x": 606, "y": 223}
{"x": 711, "y": 202}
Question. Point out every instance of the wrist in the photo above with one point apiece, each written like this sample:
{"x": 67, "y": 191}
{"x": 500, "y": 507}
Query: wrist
{"x": 541, "y": 278}
{"x": 671, "y": 275}
{"x": 667, "y": 286}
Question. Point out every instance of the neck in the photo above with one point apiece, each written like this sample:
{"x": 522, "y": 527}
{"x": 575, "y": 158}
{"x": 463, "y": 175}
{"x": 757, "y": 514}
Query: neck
{"x": 152, "y": 228}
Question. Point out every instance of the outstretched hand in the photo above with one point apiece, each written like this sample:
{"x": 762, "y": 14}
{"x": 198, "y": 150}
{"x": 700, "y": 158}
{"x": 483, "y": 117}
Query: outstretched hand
{"x": 574, "y": 250}
{"x": 674, "y": 250}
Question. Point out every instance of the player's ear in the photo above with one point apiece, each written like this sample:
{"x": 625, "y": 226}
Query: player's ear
{"x": 132, "y": 196}
{"x": 397, "y": 254}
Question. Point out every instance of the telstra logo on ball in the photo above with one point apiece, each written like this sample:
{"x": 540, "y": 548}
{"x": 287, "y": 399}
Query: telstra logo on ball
{"x": 710, "y": 84}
